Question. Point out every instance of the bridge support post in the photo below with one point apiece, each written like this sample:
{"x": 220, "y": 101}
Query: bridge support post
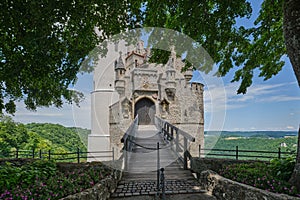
{"x": 163, "y": 189}
{"x": 185, "y": 154}
{"x": 126, "y": 155}
{"x": 158, "y": 168}
{"x": 177, "y": 141}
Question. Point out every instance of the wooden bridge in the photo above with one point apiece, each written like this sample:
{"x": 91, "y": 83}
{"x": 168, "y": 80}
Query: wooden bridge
{"x": 156, "y": 161}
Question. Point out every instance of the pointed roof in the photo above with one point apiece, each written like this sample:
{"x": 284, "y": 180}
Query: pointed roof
{"x": 120, "y": 63}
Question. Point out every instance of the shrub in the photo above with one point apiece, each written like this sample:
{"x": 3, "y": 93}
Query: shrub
{"x": 42, "y": 180}
{"x": 262, "y": 175}
{"x": 282, "y": 168}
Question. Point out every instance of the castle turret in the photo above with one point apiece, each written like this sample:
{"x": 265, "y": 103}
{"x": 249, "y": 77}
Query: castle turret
{"x": 170, "y": 72}
{"x": 197, "y": 86}
{"x": 188, "y": 74}
{"x": 120, "y": 73}
{"x": 170, "y": 83}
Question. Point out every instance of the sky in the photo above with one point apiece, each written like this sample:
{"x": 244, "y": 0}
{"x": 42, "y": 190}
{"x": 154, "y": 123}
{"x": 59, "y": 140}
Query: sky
{"x": 268, "y": 105}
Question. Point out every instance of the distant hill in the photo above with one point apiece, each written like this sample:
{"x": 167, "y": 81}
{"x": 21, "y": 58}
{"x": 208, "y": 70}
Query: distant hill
{"x": 44, "y": 136}
{"x": 271, "y": 134}
{"x": 67, "y": 137}
{"x": 252, "y": 140}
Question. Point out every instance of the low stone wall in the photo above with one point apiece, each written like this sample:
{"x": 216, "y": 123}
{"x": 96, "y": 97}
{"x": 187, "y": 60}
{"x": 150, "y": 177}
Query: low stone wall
{"x": 224, "y": 189}
{"x": 101, "y": 190}
{"x": 201, "y": 164}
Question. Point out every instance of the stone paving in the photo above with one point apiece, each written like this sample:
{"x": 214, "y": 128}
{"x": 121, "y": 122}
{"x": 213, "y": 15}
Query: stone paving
{"x": 137, "y": 188}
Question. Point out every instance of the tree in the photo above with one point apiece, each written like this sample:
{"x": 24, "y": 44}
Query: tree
{"x": 12, "y": 135}
{"x": 43, "y": 43}
{"x": 291, "y": 34}
{"x": 291, "y": 24}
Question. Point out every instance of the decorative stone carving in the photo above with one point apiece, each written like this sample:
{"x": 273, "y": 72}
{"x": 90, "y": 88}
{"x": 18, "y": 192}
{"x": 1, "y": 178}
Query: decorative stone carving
{"x": 127, "y": 108}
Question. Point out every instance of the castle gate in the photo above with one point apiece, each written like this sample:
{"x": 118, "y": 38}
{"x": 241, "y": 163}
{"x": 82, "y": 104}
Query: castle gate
{"x": 145, "y": 108}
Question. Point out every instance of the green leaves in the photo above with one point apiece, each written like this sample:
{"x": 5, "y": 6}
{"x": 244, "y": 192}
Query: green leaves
{"x": 212, "y": 24}
{"x": 42, "y": 45}
{"x": 283, "y": 168}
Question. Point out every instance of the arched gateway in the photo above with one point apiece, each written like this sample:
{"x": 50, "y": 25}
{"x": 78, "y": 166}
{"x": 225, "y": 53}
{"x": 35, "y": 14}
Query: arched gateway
{"x": 145, "y": 108}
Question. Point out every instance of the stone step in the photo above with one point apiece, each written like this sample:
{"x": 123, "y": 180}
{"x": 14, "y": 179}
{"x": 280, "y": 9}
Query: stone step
{"x": 149, "y": 187}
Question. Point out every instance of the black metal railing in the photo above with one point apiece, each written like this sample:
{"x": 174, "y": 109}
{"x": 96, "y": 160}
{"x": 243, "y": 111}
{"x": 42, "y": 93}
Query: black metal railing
{"x": 244, "y": 154}
{"x": 76, "y": 156}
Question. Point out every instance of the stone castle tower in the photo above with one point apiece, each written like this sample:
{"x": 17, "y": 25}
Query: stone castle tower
{"x": 149, "y": 90}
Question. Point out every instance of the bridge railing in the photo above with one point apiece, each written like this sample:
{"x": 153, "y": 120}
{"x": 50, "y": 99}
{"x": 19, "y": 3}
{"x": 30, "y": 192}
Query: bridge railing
{"x": 127, "y": 139}
{"x": 179, "y": 140}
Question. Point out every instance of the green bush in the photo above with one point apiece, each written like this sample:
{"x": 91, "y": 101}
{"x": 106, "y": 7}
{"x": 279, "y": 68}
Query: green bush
{"x": 270, "y": 177}
{"x": 282, "y": 168}
{"x": 11, "y": 176}
{"x": 42, "y": 180}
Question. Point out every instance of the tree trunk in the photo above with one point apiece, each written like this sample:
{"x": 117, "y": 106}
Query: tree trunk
{"x": 295, "y": 178}
{"x": 291, "y": 30}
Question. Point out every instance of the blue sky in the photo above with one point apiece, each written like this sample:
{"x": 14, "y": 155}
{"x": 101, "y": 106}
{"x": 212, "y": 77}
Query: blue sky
{"x": 268, "y": 105}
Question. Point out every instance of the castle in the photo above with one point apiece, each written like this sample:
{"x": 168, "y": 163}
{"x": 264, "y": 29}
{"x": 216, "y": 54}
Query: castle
{"x": 131, "y": 86}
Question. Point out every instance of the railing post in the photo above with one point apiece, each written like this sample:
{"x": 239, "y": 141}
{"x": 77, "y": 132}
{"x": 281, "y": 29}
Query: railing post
{"x": 126, "y": 154}
{"x": 49, "y": 154}
{"x": 33, "y": 153}
{"x": 40, "y": 153}
{"x": 78, "y": 155}
{"x": 237, "y": 152}
{"x": 177, "y": 141}
{"x": 199, "y": 150}
{"x": 172, "y": 138}
{"x": 163, "y": 189}
{"x": 158, "y": 168}
{"x": 17, "y": 153}
{"x": 279, "y": 152}
{"x": 185, "y": 154}
{"x": 113, "y": 154}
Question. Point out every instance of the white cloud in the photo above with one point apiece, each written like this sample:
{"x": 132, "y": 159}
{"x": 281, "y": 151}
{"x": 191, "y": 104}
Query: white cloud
{"x": 280, "y": 98}
{"x": 41, "y": 113}
{"x": 215, "y": 97}
{"x": 68, "y": 115}
{"x": 290, "y": 127}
